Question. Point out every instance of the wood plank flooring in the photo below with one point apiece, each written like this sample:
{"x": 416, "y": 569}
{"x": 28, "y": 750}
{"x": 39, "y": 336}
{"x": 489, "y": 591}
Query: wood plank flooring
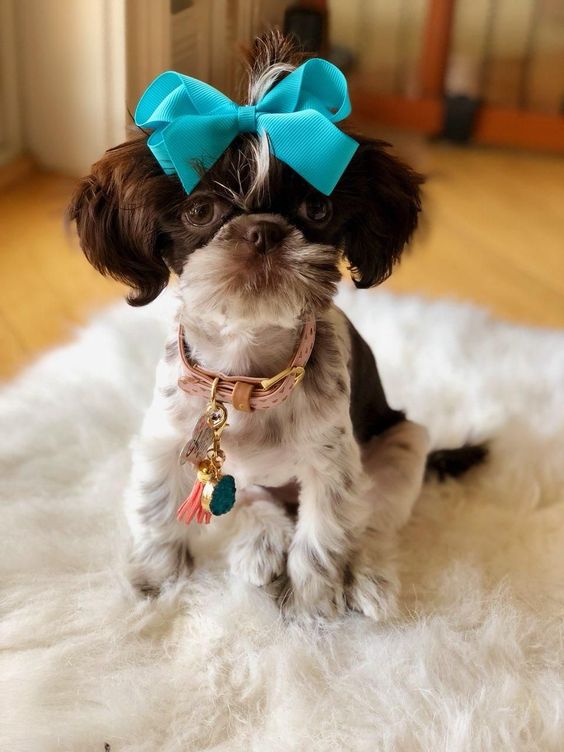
{"x": 493, "y": 234}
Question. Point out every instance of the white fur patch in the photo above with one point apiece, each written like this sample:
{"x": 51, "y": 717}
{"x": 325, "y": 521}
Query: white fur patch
{"x": 260, "y": 85}
{"x": 474, "y": 661}
{"x": 260, "y": 150}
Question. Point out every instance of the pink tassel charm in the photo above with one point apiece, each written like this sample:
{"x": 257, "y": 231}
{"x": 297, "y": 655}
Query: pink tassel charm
{"x": 196, "y": 504}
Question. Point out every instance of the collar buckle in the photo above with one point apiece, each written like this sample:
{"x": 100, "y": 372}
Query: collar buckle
{"x": 298, "y": 372}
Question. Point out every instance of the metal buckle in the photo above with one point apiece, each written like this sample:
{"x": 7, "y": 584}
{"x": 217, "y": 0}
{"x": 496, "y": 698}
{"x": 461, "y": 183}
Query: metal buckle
{"x": 298, "y": 372}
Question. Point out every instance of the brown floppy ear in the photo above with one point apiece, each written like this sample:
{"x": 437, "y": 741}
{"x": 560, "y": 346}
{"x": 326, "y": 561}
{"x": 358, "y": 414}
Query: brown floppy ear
{"x": 120, "y": 210}
{"x": 386, "y": 196}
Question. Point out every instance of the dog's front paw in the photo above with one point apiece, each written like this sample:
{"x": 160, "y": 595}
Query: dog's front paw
{"x": 321, "y": 585}
{"x": 314, "y": 587}
{"x": 258, "y": 552}
{"x": 321, "y": 600}
{"x": 371, "y": 594}
{"x": 365, "y": 591}
{"x": 149, "y": 569}
{"x": 371, "y": 578}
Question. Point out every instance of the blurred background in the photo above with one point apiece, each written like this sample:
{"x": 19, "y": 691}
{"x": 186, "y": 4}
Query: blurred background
{"x": 471, "y": 92}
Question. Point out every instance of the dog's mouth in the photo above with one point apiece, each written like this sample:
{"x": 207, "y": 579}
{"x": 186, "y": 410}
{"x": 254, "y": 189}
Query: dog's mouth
{"x": 231, "y": 274}
{"x": 262, "y": 273}
{"x": 295, "y": 275}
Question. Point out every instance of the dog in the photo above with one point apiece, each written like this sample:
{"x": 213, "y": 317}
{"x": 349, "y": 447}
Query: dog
{"x": 257, "y": 253}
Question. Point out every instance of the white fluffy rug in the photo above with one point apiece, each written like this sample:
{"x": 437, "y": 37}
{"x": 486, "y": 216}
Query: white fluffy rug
{"x": 476, "y": 661}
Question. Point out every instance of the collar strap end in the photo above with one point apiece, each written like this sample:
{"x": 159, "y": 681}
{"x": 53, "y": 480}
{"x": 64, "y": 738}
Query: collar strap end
{"x": 298, "y": 372}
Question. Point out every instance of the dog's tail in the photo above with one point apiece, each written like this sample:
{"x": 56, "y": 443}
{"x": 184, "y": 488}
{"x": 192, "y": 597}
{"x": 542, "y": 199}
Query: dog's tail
{"x": 452, "y": 463}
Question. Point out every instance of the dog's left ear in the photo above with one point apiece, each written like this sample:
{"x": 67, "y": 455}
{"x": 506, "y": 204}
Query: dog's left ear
{"x": 121, "y": 210}
{"x": 385, "y": 194}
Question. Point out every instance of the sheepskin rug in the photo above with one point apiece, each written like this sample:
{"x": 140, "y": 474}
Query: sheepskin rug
{"x": 474, "y": 662}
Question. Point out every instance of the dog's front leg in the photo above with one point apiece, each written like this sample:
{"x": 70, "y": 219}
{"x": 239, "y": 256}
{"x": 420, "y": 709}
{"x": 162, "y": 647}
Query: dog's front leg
{"x": 344, "y": 550}
{"x": 262, "y": 534}
{"x": 158, "y": 547}
{"x": 333, "y": 514}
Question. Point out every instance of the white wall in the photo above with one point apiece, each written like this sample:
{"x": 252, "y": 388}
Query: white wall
{"x": 72, "y": 56}
{"x": 72, "y": 67}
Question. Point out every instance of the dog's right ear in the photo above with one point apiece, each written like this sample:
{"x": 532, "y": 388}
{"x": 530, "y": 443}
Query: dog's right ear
{"x": 120, "y": 211}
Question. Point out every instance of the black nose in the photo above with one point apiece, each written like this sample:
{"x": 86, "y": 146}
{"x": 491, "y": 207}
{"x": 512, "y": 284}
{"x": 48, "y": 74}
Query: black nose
{"x": 264, "y": 235}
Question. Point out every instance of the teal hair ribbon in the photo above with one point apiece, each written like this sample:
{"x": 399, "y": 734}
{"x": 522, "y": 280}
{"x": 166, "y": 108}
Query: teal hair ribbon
{"x": 193, "y": 123}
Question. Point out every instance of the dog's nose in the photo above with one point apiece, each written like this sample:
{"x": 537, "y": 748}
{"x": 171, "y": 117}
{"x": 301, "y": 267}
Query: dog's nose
{"x": 264, "y": 235}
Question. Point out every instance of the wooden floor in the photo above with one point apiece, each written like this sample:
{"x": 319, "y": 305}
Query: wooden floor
{"x": 494, "y": 234}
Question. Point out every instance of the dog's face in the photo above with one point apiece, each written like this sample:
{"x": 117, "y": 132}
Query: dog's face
{"x": 253, "y": 240}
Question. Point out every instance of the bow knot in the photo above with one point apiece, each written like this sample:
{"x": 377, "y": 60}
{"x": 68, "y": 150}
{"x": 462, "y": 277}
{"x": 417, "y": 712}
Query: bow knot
{"x": 193, "y": 123}
{"x": 247, "y": 118}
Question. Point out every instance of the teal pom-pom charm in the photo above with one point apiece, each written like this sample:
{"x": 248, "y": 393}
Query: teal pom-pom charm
{"x": 223, "y": 496}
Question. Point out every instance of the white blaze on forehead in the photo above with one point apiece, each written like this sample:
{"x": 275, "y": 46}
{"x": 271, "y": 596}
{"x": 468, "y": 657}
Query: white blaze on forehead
{"x": 259, "y": 154}
{"x": 250, "y": 166}
{"x": 262, "y": 82}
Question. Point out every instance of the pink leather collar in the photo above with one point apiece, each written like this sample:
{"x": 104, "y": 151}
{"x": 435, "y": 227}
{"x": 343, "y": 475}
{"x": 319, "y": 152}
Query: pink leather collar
{"x": 248, "y": 393}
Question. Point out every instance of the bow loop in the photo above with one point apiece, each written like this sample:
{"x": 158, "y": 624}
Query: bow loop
{"x": 172, "y": 95}
{"x": 194, "y": 123}
{"x": 315, "y": 85}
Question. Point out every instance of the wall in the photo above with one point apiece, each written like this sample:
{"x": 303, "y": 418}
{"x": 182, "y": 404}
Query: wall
{"x": 72, "y": 71}
{"x": 72, "y": 57}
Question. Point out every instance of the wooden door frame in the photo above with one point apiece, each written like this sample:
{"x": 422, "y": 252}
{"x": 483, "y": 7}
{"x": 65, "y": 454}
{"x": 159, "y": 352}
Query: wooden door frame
{"x": 500, "y": 126}
{"x": 11, "y": 126}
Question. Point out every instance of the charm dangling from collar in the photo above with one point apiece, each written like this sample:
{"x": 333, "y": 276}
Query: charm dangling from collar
{"x": 213, "y": 493}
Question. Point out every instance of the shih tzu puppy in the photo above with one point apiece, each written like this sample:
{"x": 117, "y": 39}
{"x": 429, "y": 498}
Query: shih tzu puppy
{"x": 265, "y": 385}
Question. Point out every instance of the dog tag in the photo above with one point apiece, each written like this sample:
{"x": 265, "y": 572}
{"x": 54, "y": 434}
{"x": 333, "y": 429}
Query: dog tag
{"x": 196, "y": 448}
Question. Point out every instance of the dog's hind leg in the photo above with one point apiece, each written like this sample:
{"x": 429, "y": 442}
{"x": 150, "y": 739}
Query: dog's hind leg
{"x": 395, "y": 462}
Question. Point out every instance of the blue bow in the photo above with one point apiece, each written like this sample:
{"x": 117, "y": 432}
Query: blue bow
{"x": 194, "y": 123}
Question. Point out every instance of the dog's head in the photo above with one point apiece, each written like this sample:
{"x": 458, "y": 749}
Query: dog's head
{"x": 253, "y": 238}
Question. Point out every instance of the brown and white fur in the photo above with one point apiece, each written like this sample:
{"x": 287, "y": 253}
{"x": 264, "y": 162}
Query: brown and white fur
{"x": 254, "y": 247}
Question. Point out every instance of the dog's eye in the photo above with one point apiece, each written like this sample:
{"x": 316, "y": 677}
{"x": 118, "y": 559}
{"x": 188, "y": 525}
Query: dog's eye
{"x": 202, "y": 211}
{"x": 316, "y": 209}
